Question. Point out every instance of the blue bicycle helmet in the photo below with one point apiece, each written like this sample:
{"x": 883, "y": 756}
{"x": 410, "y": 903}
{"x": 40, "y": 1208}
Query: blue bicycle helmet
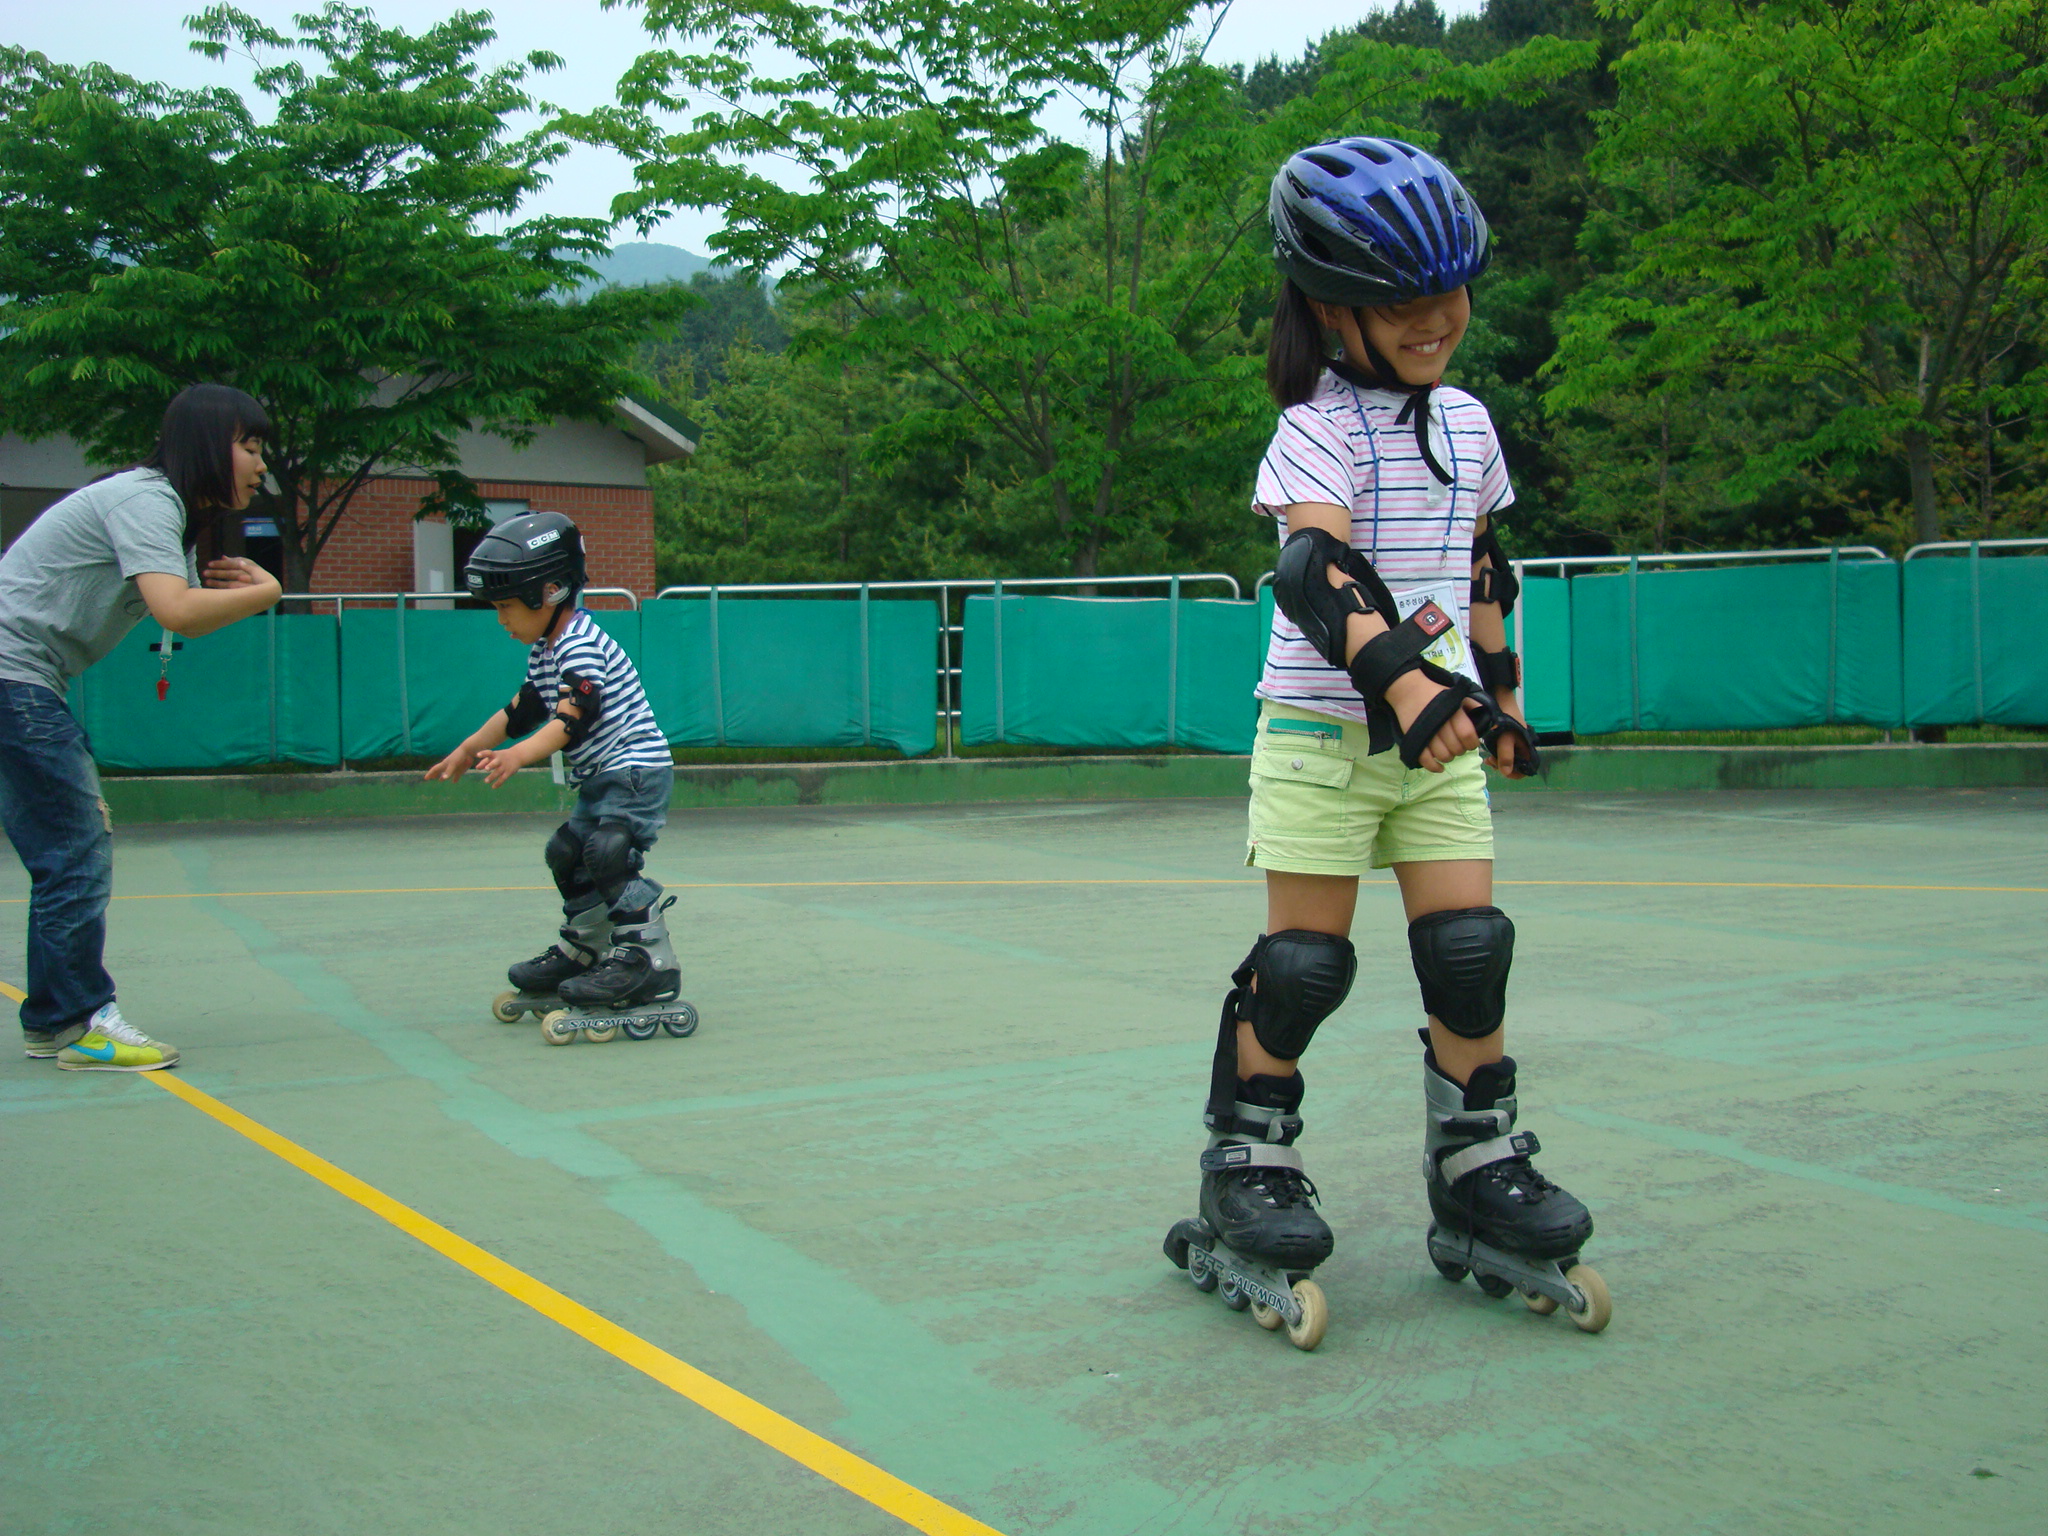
{"x": 1374, "y": 222}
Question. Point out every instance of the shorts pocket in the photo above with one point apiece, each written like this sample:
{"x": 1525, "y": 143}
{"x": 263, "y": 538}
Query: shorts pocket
{"x": 1302, "y": 765}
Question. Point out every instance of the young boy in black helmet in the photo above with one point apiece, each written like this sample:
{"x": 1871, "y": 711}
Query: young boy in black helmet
{"x": 581, "y": 698}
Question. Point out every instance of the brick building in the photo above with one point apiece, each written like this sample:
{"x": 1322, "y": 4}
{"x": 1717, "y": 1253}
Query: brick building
{"x": 597, "y": 474}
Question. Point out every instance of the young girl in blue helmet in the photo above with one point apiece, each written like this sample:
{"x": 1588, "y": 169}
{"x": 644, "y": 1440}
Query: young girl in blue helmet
{"x": 1388, "y": 683}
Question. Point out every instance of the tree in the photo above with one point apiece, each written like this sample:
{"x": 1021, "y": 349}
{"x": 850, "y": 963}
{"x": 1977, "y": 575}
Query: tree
{"x": 336, "y": 261}
{"x": 1094, "y": 309}
{"x": 1845, "y": 201}
{"x": 729, "y": 311}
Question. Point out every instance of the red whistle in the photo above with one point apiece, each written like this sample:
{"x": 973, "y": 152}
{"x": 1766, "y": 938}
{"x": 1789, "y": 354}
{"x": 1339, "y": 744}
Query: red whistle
{"x": 163, "y": 688}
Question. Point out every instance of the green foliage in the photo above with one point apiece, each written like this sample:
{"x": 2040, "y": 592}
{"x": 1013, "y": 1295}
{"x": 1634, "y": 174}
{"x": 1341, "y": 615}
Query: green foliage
{"x": 1081, "y": 324}
{"x": 1831, "y": 215}
{"x": 730, "y": 312}
{"x": 341, "y": 261}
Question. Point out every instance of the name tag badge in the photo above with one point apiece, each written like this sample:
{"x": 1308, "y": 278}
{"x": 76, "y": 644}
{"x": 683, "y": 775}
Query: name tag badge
{"x": 1448, "y": 650}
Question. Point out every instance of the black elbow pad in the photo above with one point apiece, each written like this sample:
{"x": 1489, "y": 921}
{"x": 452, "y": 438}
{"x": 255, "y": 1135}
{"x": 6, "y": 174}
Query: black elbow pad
{"x": 588, "y": 697}
{"x": 528, "y": 711}
{"x": 1495, "y": 582}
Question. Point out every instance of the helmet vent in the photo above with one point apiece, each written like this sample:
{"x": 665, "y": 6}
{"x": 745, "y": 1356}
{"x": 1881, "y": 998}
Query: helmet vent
{"x": 1371, "y": 151}
{"x": 1330, "y": 163}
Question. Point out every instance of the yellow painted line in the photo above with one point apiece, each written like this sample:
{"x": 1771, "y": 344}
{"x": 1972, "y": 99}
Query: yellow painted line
{"x": 7, "y": 991}
{"x": 912, "y": 1506}
{"x": 833, "y": 885}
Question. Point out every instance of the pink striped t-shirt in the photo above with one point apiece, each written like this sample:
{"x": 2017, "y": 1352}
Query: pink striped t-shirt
{"x": 1342, "y": 447}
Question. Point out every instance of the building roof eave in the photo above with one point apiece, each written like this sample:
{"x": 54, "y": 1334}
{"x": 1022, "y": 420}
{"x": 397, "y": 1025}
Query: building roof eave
{"x": 664, "y": 440}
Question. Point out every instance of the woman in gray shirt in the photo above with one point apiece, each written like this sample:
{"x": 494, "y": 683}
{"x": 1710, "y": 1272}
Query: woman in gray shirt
{"x": 70, "y": 588}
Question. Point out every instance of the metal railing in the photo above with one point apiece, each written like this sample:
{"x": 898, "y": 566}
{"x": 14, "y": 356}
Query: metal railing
{"x": 948, "y": 673}
{"x": 1973, "y": 545}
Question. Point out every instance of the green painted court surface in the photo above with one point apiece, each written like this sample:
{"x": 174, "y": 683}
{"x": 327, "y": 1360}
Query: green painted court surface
{"x": 907, "y": 1187}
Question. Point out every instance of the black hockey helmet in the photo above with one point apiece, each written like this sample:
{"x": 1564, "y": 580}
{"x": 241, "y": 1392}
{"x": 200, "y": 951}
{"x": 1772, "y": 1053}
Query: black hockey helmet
{"x": 523, "y": 556}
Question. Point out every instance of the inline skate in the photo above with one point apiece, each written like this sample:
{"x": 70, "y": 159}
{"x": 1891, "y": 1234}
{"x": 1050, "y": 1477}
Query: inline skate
{"x": 1495, "y": 1217}
{"x": 1258, "y": 1236}
{"x": 635, "y": 987}
{"x": 536, "y": 983}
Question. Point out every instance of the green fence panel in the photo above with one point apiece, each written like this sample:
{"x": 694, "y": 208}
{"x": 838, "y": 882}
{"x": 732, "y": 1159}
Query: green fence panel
{"x": 1222, "y": 652}
{"x": 259, "y": 691}
{"x": 675, "y": 667}
{"x": 1545, "y": 609}
{"x": 460, "y": 667}
{"x": 1094, "y": 672}
{"x": 1601, "y": 694}
{"x": 373, "y": 722}
{"x": 766, "y": 672}
{"x": 1868, "y": 645}
{"x": 1743, "y": 648}
{"x": 1971, "y": 654}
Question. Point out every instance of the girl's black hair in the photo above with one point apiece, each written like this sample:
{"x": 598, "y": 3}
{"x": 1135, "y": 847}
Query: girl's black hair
{"x": 1296, "y": 352}
{"x": 195, "y": 449}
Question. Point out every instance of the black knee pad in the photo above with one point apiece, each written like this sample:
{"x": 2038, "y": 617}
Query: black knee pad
{"x": 1302, "y": 977}
{"x": 564, "y": 854}
{"x": 1461, "y": 959}
{"x": 612, "y": 857}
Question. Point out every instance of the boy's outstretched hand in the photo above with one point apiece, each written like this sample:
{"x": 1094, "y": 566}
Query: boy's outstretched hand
{"x": 499, "y": 765}
{"x": 454, "y": 765}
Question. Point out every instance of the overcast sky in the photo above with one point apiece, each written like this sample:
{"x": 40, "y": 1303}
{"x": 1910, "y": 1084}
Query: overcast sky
{"x": 146, "y": 38}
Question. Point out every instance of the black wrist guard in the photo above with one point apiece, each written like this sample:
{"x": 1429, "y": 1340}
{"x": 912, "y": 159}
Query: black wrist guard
{"x": 1500, "y": 671}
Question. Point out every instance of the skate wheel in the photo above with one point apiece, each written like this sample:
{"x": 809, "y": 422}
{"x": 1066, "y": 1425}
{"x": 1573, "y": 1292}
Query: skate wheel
{"x": 1598, "y": 1308}
{"x": 601, "y": 1034}
{"x": 1315, "y": 1316}
{"x": 1539, "y": 1303}
{"x": 1205, "y": 1278}
{"x": 1267, "y": 1317}
{"x": 642, "y": 1029}
{"x": 1493, "y": 1285}
{"x": 557, "y": 1028}
{"x": 505, "y": 1008}
{"x": 1233, "y": 1298}
{"x": 682, "y": 1023}
{"x": 1451, "y": 1272}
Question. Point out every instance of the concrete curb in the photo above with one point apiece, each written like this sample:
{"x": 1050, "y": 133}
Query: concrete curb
{"x": 1604, "y": 770}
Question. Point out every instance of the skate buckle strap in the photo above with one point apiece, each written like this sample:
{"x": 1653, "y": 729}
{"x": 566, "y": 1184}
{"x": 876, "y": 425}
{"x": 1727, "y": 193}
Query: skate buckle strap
{"x": 1248, "y": 1154}
{"x": 1498, "y": 1150}
{"x": 1266, "y": 1124}
{"x": 1475, "y": 1125}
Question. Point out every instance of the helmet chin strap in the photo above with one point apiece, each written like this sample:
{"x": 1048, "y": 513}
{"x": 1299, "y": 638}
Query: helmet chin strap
{"x": 561, "y": 606}
{"x": 1414, "y": 413}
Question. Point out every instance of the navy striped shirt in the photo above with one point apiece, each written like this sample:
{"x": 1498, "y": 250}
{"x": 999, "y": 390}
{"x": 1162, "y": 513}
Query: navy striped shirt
{"x": 626, "y": 734}
{"x": 1342, "y": 447}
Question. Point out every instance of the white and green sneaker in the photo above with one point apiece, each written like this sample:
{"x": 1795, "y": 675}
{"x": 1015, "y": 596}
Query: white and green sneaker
{"x": 112, "y": 1044}
{"x": 42, "y": 1044}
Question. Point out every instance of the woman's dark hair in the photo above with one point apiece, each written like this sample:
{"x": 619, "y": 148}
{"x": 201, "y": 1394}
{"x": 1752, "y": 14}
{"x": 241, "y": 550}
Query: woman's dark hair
{"x": 1296, "y": 352}
{"x": 195, "y": 449}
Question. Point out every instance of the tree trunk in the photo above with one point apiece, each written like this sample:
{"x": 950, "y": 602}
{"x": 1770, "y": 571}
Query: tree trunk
{"x": 1920, "y": 469}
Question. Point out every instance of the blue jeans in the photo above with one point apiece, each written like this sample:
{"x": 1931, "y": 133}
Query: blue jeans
{"x": 50, "y": 805}
{"x": 636, "y": 798}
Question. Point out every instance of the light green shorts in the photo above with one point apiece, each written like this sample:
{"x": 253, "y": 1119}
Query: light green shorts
{"x": 1321, "y": 806}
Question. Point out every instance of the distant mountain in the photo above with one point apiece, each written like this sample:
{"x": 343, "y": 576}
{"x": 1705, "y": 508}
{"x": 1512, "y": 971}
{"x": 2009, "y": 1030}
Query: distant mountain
{"x": 642, "y": 263}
